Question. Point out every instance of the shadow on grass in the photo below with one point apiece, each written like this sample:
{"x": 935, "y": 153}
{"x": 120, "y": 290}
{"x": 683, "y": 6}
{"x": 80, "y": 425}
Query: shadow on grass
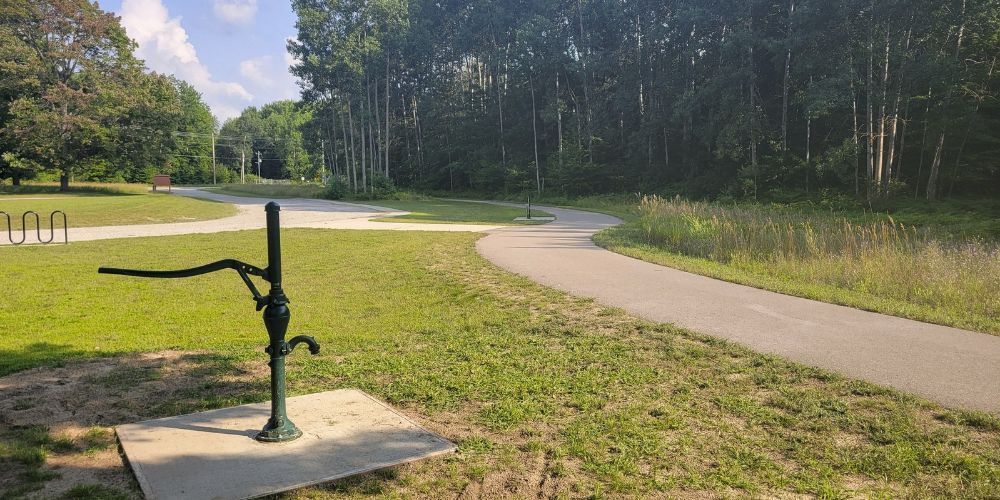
{"x": 40, "y": 354}
{"x": 58, "y": 406}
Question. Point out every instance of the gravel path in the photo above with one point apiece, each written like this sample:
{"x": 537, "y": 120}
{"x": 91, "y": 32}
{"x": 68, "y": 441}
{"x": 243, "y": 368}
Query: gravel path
{"x": 954, "y": 367}
{"x": 295, "y": 212}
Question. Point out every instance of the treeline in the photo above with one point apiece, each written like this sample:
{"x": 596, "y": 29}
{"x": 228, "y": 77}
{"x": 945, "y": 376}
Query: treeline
{"x": 273, "y": 142}
{"x": 75, "y": 103}
{"x": 739, "y": 98}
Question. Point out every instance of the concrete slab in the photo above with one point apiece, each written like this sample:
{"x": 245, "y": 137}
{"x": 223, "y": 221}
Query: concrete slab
{"x": 213, "y": 454}
{"x": 535, "y": 218}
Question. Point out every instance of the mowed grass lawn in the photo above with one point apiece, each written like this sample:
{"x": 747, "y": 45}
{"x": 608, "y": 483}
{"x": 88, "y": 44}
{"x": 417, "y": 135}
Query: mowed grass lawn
{"x": 544, "y": 393}
{"x": 88, "y": 209}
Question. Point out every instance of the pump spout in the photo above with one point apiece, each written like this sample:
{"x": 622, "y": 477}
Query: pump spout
{"x": 300, "y": 339}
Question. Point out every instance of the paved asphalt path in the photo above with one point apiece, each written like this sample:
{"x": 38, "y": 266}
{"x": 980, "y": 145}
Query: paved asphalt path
{"x": 956, "y": 368}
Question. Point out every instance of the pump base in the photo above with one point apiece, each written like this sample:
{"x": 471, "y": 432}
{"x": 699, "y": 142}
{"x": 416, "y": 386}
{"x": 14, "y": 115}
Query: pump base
{"x": 276, "y": 432}
{"x": 213, "y": 454}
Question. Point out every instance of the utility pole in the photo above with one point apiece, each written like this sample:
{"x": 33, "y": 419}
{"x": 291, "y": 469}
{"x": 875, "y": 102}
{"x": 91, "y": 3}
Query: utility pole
{"x": 258, "y": 167}
{"x": 243, "y": 170}
{"x": 213, "y": 158}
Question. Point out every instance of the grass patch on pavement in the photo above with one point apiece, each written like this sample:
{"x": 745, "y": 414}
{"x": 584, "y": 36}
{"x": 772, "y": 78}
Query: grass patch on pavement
{"x": 422, "y": 209}
{"x": 270, "y": 190}
{"x": 451, "y": 211}
{"x": 544, "y": 393}
{"x": 97, "y": 208}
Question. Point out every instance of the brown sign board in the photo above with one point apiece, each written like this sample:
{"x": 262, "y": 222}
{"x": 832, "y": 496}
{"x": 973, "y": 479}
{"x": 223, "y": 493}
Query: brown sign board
{"x": 161, "y": 180}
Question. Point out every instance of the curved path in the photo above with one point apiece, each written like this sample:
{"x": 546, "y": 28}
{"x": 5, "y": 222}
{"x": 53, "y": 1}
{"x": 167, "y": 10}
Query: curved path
{"x": 295, "y": 212}
{"x": 955, "y": 367}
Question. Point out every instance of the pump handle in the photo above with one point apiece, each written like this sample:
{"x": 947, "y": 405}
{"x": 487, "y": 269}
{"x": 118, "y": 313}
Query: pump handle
{"x": 245, "y": 270}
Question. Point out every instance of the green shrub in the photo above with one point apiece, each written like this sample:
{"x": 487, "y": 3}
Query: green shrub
{"x": 336, "y": 188}
{"x": 382, "y": 187}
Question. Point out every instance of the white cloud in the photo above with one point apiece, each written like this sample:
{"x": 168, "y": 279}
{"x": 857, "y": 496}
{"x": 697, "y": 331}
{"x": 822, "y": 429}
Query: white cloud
{"x": 235, "y": 11}
{"x": 253, "y": 70}
{"x": 290, "y": 60}
{"x": 269, "y": 78}
{"x": 163, "y": 44}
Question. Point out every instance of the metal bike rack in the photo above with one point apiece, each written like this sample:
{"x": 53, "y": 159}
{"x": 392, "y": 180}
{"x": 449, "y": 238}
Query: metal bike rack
{"x": 276, "y": 317}
{"x": 38, "y": 227}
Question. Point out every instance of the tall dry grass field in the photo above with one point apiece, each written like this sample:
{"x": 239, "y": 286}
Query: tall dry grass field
{"x": 882, "y": 258}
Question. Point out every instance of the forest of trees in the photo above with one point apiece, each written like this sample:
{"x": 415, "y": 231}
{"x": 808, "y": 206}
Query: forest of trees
{"x": 75, "y": 103}
{"x": 723, "y": 97}
{"x": 730, "y": 98}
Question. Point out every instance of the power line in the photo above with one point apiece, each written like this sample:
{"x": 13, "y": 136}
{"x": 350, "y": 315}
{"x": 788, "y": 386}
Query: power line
{"x": 205, "y": 135}
{"x": 220, "y": 157}
{"x": 229, "y": 137}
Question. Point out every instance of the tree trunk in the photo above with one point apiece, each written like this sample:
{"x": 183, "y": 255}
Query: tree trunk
{"x": 419, "y": 134}
{"x": 534, "y": 131}
{"x": 808, "y": 143}
{"x": 372, "y": 155}
{"x": 891, "y": 153}
{"x": 870, "y": 170}
{"x": 854, "y": 116}
{"x": 586, "y": 85}
{"x": 935, "y": 169}
{"x": 923, "y": 145}
{"x": 898, "y": 168}
{"x": 579, "y": 122}
{"x": 354, "y": 158}
{"x": 666, "y": 152}
{"x": 559, "y": 119}
{"x": 808, "y": 151}
{"x": 880, "y": 166}
{"x": 638, "y": 61}
{"x": 387, "y": 115}
{"x": 785, "y": 82}
{"x": 894, "y": 127}
{"x": 332, "y": 135}
{"x": 378, "y": 126}
{"x": 364, "y": 148}
{"x": 406, "y": 133}
{"x": 503, "y": 147}
{"x": 753, "y": 104}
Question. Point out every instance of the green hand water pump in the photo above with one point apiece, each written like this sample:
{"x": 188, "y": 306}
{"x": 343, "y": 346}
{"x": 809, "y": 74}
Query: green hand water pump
{"x": 276, "y": 316}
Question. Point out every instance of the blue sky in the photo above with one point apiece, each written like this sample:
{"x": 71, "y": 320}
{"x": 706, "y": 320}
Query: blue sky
{"x": 232, "y": 51}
